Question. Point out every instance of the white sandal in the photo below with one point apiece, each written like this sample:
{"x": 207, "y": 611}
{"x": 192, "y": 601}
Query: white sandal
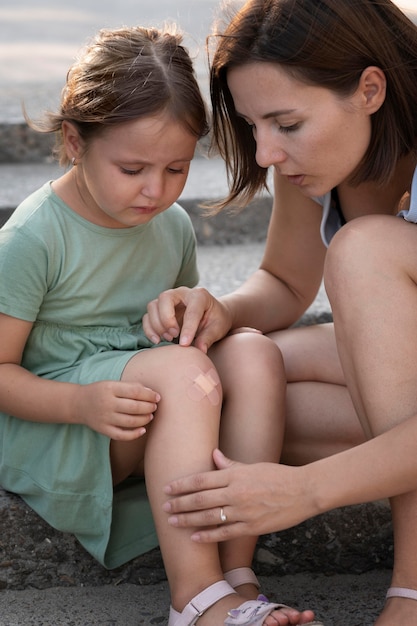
{"x": 402, "y": 592}
{"x": 250, "y": 613}
{"x": 243, "y": 576}
{"x": 199, "y": 604}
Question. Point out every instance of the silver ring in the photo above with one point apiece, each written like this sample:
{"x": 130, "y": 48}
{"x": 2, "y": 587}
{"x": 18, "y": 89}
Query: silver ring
{"x": 223, "y": 516}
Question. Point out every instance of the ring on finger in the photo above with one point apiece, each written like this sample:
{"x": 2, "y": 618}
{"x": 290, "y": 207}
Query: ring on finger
{"x": 223, "y": 516}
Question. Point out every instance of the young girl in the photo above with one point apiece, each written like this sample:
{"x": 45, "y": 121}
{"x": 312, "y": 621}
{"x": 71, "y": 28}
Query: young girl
{"x": 86, "y": 404}
{"x": 325, "y": 93}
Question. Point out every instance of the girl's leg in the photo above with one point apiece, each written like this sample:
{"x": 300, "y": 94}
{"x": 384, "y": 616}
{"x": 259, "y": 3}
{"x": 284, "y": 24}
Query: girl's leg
{"x": 320, "y": 417}
{"x": 180, "y": 441}
{"x": 252, "y": 425}
{"x": 371, "y": 277}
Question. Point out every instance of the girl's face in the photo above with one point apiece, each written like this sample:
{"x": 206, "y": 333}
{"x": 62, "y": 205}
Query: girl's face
{"x": 307, "y": 133}
{"x": 133, "y": 171}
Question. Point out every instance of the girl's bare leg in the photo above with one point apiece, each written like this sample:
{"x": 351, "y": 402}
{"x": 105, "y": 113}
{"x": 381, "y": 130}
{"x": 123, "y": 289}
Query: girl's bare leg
{"x": 180, "y": 441}
{"x": 320, "y": 417}
{"x": 371, "y": 278}
{"x": 252, "y": 424}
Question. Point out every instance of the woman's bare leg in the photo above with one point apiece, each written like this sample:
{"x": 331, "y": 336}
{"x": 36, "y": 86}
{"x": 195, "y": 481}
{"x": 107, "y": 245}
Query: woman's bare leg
{"x": 371, "y": 278}
{"x": 320, "y": 417}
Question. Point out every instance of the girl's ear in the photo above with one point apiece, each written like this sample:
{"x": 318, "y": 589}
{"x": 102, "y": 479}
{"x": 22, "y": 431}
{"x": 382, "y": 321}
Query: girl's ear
{"x": 72, "y": 140}
{"x": 372, "y": 88}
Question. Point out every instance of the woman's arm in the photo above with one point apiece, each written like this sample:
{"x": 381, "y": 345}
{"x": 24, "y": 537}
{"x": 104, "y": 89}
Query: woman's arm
{"x": 274, "y": 297}
{"x": 266, "y": 497}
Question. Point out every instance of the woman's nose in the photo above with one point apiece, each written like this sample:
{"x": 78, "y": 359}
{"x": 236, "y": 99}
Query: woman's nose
{"x": 268, "y": 152}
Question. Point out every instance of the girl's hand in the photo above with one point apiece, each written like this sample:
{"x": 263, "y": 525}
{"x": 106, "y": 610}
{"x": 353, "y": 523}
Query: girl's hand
{"x": 256, "y": 499}
{"x": 193, "y": 315}
{"x": 119, "y": 410}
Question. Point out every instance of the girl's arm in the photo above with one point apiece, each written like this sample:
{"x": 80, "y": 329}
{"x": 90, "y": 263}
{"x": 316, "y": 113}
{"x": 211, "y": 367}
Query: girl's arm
{"x": 117, "y": 409}
{"x": 23, "y": 394}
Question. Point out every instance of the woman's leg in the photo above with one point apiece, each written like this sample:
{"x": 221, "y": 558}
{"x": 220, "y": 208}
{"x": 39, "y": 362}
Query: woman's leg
{"x": 180, "y": 441}
{"x": 371, "y": 277}
{"x": 320, "y": 417}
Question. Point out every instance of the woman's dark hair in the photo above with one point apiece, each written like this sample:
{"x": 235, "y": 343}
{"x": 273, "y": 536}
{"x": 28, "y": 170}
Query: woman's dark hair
{"x": 125, "y": 74}
{"x": 326, "y": 43}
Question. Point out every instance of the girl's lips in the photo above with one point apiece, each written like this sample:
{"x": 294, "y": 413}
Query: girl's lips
{"x": 145, "y": 209}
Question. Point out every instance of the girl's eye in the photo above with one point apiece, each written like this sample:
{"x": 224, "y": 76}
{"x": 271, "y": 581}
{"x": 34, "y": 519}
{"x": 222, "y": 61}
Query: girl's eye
{"x": 171, "y": 170}
{"x": 130, "y": 172}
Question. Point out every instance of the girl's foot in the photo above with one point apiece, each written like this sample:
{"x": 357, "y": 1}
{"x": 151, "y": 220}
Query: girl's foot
{"x": 246, "y": 584}
{"x": 220, "y": 604}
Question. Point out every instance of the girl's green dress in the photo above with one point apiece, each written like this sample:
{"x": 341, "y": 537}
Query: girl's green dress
{"x": 86, "y": 288}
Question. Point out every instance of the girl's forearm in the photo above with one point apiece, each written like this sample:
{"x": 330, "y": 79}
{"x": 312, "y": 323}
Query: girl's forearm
{"x": 29, "y": 397}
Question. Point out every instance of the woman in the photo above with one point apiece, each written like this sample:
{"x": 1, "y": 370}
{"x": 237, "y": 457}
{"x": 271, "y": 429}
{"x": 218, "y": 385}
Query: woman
{"x": 325, "y": 93}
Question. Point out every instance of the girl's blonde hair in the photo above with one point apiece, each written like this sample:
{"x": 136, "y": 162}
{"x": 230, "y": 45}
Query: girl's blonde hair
{"x": 125, "y": 74}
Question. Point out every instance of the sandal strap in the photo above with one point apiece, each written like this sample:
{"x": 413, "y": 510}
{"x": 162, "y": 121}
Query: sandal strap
{"x": 253, "y": 613}
{"x": 199, "y": 604}
{"x": 241, "y": 576}
{"x": 402, "y": 592}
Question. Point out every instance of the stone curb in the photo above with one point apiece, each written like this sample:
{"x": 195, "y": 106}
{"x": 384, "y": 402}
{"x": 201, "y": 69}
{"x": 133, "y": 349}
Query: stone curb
{"x": 350, "y": 540}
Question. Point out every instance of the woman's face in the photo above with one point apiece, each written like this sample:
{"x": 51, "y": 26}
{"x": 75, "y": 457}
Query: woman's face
{"x": 309, "y": 134}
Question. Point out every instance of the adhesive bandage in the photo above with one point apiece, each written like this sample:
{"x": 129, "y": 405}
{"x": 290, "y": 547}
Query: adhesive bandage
{"x": 204, "y": 385}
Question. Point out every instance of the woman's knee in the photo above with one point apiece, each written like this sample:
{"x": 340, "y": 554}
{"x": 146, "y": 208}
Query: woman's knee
{"x": 357, "y": 252}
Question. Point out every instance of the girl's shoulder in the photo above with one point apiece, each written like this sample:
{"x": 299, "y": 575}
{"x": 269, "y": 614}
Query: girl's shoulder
{"x": 30, "y": 205}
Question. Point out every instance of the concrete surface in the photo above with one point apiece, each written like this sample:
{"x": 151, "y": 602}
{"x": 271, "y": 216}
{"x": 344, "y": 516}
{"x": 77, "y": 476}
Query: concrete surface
{"x": 337, "y": 564}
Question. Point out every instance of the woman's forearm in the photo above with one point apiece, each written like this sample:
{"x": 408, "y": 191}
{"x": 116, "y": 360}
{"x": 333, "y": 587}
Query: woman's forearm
{"x": 382, "y": 467}
{"x": 264, "y": 302}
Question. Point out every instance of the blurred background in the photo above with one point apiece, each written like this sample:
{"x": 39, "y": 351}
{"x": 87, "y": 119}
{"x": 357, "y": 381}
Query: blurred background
{"x": 39, "y": 39}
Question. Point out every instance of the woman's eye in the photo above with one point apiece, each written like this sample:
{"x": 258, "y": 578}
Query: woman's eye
{"x": 289, "y": 129}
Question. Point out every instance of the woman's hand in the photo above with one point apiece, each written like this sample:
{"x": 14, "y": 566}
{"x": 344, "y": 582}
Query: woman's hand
{"x": 256, "y": 499}
{"x": 192, "y": 315}
{"x": 119, "y": 410}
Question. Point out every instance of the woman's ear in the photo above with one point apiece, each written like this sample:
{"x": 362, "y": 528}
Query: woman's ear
{"x": 72, "y": 140}
{"x": 372, "y": 88}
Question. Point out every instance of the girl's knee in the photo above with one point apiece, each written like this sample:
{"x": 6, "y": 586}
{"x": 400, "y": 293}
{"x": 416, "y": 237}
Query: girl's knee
{"x": 198, "y": 373}
{"x": 255, "y": 353}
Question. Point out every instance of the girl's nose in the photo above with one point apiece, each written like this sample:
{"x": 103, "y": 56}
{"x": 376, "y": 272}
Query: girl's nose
{"x": 153, "y": 186}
